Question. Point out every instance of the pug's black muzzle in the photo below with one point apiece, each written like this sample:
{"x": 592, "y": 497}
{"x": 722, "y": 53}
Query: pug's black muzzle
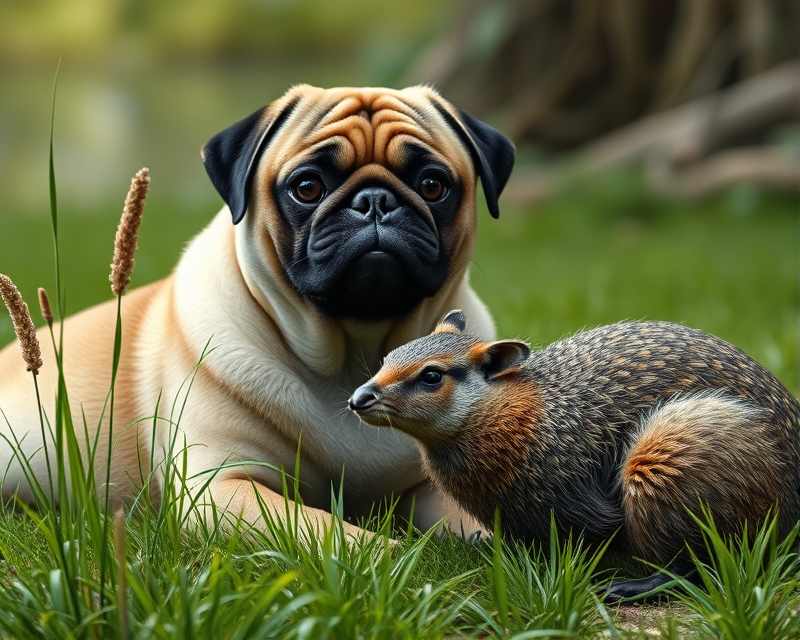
{"x": 370, "y": 254}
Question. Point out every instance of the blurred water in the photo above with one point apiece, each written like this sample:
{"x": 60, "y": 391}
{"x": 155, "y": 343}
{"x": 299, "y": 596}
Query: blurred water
{"x": 114, "y": 117}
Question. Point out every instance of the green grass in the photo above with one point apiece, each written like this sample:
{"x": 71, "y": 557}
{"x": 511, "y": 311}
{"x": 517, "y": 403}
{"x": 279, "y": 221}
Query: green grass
{"x": 209, "y": 584}
{"x": 537, "y": 594}
{"x": 749, "y": 588}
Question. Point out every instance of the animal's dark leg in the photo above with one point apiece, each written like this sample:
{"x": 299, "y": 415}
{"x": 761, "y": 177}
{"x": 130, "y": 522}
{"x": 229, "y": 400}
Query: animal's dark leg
{"x": 618, "y": 590}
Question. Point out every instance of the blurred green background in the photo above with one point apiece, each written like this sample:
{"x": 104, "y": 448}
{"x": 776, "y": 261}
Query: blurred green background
{"x": 147, "y": 83}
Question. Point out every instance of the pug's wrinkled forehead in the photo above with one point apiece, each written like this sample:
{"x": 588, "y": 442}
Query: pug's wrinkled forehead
{"x": 355, "y": 127}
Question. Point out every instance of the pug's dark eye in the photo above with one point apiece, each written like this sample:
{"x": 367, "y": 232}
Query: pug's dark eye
{"x": 432, "y": 187}
{"x": 308, "y": 189}
{"x": 431, "y": 377}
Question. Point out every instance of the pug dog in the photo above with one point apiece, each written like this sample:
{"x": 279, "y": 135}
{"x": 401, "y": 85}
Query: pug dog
{"x": 349, "y": 224}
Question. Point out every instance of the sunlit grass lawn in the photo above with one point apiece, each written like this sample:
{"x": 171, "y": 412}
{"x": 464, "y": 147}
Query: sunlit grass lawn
{"x": 600, "y": 253}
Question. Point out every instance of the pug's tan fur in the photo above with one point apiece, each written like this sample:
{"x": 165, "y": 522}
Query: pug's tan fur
{"x": 277, "y": 371}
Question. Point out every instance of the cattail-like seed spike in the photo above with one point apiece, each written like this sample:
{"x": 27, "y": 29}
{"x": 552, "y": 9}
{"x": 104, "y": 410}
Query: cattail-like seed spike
{"x": 23, "y": 324}
{"x": 44, "y": 305}
{"x": 127, "y": 233}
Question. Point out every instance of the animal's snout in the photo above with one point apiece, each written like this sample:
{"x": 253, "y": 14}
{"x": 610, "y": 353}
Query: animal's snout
{"x": 375, "y": 202}
{"x": 364, "y": 397}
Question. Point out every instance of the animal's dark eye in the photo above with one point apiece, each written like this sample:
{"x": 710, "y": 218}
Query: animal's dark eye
{"x": 433, "y": 186}
{"x": 308, "y": 188}
{"x": 431, "y": 377}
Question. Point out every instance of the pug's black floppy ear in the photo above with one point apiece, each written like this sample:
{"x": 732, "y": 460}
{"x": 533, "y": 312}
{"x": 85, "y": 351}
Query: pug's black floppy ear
{"x": 231, "y": 156}
{"x": 491, "y": 151}
{"x": 494, "y": 156}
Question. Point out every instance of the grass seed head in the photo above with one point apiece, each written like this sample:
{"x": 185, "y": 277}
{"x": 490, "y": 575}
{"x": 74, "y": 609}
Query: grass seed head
{"x": 128, "y": 232}
{"x": 23, "y": 324}
{"x": 44, "y": 305}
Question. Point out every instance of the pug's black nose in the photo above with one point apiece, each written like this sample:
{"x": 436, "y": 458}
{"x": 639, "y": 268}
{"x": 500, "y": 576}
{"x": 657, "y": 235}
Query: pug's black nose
{"x": 363, "y": 397}
{"x": 374, "y": 202}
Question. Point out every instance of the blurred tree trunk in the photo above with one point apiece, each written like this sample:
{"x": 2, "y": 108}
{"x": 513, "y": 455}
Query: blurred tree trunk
{"x": 562, "y": 72}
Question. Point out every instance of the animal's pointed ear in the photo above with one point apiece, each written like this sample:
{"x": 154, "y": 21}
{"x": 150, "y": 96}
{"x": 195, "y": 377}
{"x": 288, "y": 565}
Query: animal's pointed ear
{"x": 501, "y": 358}
{"x": 453, "y": 322}
{"x": 231, "y": 156}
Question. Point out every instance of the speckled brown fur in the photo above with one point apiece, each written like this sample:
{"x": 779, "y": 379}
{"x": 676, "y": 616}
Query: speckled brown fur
{"x": 508, "y": 440}
{"x": 621, "y": 430}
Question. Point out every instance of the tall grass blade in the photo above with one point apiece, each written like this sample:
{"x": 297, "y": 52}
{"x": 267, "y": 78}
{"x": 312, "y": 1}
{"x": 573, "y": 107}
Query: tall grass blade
{"x": 552, "y": 595}
{"x": 60, "y": 297}
{"x": 749, "y": 586}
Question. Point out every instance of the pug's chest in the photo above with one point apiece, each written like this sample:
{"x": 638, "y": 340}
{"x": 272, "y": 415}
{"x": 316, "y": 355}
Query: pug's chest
{"x": 373, "y": 461}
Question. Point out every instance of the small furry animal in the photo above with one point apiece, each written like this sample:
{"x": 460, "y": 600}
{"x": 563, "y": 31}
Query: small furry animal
{"x": 622, "y": 429}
